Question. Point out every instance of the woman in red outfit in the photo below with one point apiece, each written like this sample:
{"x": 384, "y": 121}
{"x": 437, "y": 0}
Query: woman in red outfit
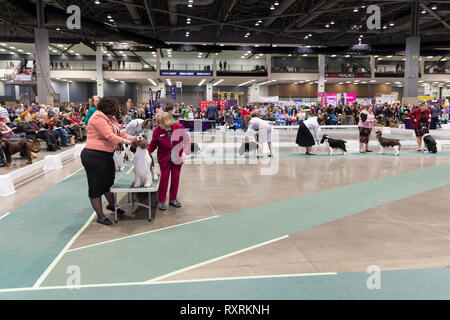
{"x": 421, "y": 117}
{"x": 173, "y": 144}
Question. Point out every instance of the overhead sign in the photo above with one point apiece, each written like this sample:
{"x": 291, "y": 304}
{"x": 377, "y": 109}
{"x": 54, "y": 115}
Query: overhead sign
{"x": 22, "y": 77}
{"x": 186, "y": 73}
{"x": 425, "y": 98}
{"x": 179, "y": 84}
{"x": 347, "y": 75}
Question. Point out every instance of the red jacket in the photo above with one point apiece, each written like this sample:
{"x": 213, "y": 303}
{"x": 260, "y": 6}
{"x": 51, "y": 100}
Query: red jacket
{"x": 181, "y": 142}
{"x": 244, "y": 113}
{"x": 415, "y": 117}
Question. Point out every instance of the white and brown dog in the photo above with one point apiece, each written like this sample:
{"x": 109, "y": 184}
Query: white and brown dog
{"x": 386, "y": 142}
{"x": 143, "y": 164}
{"x": 119, "y": 157}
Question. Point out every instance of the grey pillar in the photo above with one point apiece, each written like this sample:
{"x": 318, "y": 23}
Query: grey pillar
{"x": 411, "y": 70}
{"x": 269, "y": 65}
{"x": 158, "y": 62}
{"x": 44, "y": 87}
{"x": 321, "y": 85}
{"x": 99, "y": 69}
{"x": 412, "y": 64}
{"x": 214, "y": 66}
{"x": 372, "y": 67}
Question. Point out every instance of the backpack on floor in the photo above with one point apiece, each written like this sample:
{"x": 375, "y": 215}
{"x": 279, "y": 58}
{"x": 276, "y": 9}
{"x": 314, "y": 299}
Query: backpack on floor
{"x": 36, "y": 146}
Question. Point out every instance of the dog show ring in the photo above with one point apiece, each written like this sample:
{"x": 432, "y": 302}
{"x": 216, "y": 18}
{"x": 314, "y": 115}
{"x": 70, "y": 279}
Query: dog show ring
{"x": 125, "y": 184}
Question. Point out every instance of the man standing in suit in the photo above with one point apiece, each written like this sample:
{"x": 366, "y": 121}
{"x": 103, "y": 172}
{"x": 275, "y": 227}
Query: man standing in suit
{"x": 212, "y": 114}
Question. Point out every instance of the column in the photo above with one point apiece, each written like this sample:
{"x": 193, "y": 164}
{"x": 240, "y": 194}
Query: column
{"x": 411, "y": 70}
{"x": 158, "y": 62}
{"x": 209, "y": 92}
{"x": 2, "y": 88}
{"x": 422, "y": 67}
{"x": 412, "y": 66}
{"x": 44, "y": 87}
{"x": 253, "y": 93}
{"x": 162, "y": 87}
{"x": 214, "y": 68}
{"x": 321, "y": 84}
{"x": 372, "y": 67}
{"x": 269, "y": 65}
{"x": 99, "y": 68}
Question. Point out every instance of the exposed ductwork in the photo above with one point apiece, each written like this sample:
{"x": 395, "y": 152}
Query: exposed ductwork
{"x": 284, "y": 5}
{"x": 133, "y": 10}
{"x": 172, "y": 6}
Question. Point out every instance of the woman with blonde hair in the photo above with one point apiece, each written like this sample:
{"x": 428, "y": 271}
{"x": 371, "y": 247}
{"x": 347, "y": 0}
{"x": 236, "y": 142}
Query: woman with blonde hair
{"x": 173, "y": 144}
{"x": 92, "y": 108}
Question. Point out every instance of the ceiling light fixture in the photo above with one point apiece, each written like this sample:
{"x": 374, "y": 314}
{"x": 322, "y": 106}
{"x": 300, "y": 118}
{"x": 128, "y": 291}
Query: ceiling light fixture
{"x": 153, "y": 82}
{"x": 220, "y": 81}
{"x": 201, "y": 82}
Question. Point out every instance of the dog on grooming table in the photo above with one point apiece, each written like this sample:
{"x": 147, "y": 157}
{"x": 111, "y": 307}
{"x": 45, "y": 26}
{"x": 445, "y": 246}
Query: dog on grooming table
{"x": 143, "y": 163}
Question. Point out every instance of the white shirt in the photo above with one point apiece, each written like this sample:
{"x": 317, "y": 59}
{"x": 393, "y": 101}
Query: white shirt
{"x": 4, "y": 114}
{"x": 312, "y": 123}
{"x": 134, "y": 128}
{"x": 257, "y": 124}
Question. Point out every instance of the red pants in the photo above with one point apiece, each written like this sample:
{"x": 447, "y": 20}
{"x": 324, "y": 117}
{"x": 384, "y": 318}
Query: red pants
{"x": 173, "y": 170}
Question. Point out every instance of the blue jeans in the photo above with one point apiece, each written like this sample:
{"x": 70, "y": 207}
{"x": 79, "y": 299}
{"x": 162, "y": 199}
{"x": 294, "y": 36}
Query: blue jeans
{"x": 19, "y": 139}
{"x": 62, "y": 134}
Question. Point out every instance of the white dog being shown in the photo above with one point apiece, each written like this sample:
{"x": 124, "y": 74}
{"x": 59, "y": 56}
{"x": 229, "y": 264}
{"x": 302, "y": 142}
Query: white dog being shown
{"x": 129, "y": 153}
{"x": 143, "y": 164}
{"x": 119, "y": 158}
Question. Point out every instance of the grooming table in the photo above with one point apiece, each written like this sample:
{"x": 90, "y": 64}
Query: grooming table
{"x": 125, "y": 184}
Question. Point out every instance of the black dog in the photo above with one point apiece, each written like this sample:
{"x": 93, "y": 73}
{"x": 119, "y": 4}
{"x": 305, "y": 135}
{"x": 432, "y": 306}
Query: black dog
{"x": 333, "y": 144}
{"x": 195, "y": 149}
{"x": 247, "y": 147}
{"x": 429, "y": 140}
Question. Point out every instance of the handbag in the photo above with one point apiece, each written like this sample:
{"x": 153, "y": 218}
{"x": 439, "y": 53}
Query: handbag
{"x": 36, "y": 146}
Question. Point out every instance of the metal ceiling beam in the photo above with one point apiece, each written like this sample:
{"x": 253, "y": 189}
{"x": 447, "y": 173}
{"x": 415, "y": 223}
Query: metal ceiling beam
{"x": 434, "y": 15}
{"x": 227, "y": 14}
{"x": 148, "y": 6}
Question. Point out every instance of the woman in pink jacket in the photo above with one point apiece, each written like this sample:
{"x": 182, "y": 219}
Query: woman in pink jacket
{"x": 103, "y": 135}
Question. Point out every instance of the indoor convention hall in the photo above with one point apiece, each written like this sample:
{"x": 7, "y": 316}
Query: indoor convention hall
{"x": 224, "y": 150}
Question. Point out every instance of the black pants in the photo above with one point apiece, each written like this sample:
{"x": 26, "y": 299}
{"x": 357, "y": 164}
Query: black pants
{"x": 100, "y": 171}
{"x": 213, "y": 123}
{"x": 2, "y": 156}
{"x": 49, "y": 138}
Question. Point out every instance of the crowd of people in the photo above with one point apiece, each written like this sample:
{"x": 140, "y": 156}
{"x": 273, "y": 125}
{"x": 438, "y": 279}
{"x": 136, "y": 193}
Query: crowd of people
{"x": 62, "y": 126}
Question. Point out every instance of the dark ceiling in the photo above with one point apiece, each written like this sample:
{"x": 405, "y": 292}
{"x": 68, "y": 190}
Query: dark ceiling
{"x": 156, "y": 22}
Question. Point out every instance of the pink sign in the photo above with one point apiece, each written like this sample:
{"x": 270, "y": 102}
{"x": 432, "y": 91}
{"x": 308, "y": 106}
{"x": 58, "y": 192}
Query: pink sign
{"x": 350, "y": 97}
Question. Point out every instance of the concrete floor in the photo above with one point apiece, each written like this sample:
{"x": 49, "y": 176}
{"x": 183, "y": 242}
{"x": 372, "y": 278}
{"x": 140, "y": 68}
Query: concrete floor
{"x": 410, "y": 233}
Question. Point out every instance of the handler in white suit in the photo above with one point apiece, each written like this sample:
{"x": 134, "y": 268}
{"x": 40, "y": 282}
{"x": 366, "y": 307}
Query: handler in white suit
{"x": 140, "y": 126}
{"x": 264, "y": 129}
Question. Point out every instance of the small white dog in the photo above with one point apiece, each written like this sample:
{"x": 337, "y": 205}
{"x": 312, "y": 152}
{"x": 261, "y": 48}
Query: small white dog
{"x": 119, "y": 158}
{"x": 129, "y": 153}
{"x": 143, "y": 164}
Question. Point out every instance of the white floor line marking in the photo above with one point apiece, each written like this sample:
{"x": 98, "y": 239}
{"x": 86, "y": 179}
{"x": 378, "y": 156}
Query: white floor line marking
{"x": 132, "y": 167}
{"x": 5, "y": 215}
{"x": 72, "y": 174}
{"x": 63, "y": 251}
{"x": 215, "y": 259}
{"x": 251, "y": 277}
{"x": 123, "y": 284}
{"x": 139, "y": 234}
